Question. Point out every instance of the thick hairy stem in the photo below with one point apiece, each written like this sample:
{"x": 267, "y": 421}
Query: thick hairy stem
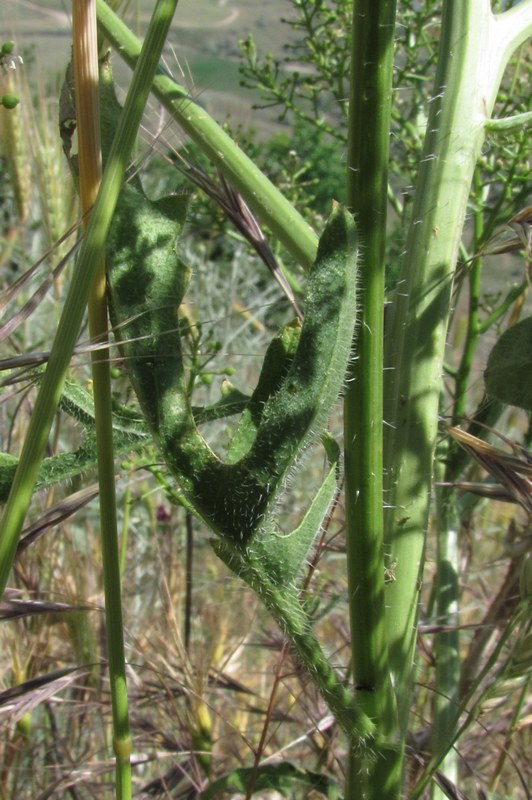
{"x": 284, "y": 605}
{"x": 474, "y": 48}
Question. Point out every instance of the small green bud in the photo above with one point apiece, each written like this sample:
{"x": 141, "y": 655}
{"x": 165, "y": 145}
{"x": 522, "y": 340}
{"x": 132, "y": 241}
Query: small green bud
{"x": 229, "y": 371}
{"x": 9, "y": 100}
{"x": 206, "y": 378}
{"x": 7, "y": 48}
{"x": 24, "y": 725}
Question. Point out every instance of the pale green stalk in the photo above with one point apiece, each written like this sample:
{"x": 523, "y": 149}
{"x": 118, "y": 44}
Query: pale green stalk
{"x": 475, "y": 46}
{"x": 264, "y": 199}
{"x": 124, "y": 536}
{"x": 446, "y": 647}
{"x": 447, "y": 524}
{"x": 367, "y": 189}
{"x": 76, "y": 300}
{"x": 516, "y": 123}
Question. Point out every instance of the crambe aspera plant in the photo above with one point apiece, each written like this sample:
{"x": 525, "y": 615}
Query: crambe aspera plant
{"x": 388, "y": 471}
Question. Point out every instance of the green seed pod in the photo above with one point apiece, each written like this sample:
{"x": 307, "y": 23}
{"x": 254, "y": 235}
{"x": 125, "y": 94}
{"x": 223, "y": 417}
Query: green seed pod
{"x": 9, "y": 100}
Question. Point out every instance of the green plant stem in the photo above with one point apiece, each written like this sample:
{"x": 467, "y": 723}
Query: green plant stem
{"x": 447, "y": 642}
{"x": 367, "y": 198}
{"x": 124, "y": 536}
{"x": 472, "y": 333}
{"x": 514, "y": 293}
{"x": 446, "y": 647}
{"x": 285, "y": 607}
{"x": 86, "y": 81}
{"x": 510, "y": 124}
{"x": 473, "y": 51}
{"x": 189, "y": 578}
{"x": 264, "y": 199}
{"x": 88, "y": 260}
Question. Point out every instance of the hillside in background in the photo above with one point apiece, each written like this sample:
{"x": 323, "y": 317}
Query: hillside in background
{"x": 202, "y": 50}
